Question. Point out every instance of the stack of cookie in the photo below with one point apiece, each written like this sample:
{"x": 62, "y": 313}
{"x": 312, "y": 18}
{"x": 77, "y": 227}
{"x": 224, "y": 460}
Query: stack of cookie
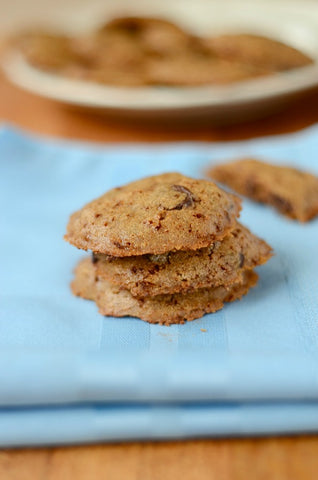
{"x": 165, "y": 249}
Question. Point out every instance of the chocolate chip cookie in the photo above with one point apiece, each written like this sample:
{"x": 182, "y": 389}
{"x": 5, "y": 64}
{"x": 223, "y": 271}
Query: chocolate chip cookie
{"x": 155, "y": 215}
{"x": 162, "y": 309}
{"x": 292, "y": 192}
{"x": 257, "y": 51}
{"x": 222, "y": 263}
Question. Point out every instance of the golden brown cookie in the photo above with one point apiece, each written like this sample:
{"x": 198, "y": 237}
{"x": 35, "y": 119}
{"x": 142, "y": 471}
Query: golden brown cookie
{"x": 47, "y": 51}
{"x": 124, "y": 66}
{"x": 115, "y": 75}
{"x": 85, "y": 279}
{"x": 132, "y": 41}
{"x": 191, "y": 69}
{"x": 292, "y": 192}
{"x": 159, "y": 214}
{"x": 258, "y": 51}
{"x": 154, "y": 36}
{"x": 163, "y": 309}
{"x": 222, "y": 263}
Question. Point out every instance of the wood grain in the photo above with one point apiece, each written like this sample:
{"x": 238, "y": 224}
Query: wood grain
{"x": 44, "y": 116}
{"x": 258, "y": 459}
{"x": 294, "y": 458}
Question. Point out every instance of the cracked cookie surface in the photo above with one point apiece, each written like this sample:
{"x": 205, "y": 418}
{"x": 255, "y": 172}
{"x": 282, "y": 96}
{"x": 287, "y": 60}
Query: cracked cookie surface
{"x": 155, "y": 215}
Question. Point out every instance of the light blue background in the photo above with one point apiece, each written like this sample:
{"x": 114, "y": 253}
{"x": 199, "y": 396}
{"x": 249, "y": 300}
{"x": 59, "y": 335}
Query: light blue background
{"x": 56, "y": 349}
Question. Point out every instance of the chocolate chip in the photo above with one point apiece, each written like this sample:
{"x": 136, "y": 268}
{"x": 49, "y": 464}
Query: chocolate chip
{"x": 153, "y": 270}
{"x": 122, "y": 246}
{"x": 188, "y": 201}
{"x": 128, "y": 25}
{"x": 242, "y": 260}
{"x": 210, "y": 251}
{"x": 156, "y": 221}
{"x": 119, "y": 245}
{"x": 281, "y": 203}
{"x": 251, "y": 188}
{"x": 94, "y": 258}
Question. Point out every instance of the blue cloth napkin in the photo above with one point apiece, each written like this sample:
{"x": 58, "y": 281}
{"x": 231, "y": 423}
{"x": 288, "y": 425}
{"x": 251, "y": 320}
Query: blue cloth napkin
{"x": 250, "y": 368}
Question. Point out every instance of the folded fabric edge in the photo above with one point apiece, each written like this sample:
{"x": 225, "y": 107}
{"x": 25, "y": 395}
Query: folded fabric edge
{"x": 75, "y": 425}
{"x": 64, "y": 378}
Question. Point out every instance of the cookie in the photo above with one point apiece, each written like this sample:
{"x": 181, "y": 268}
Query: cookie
{"x": 262, "y": 52}
{"x": 155, "y": 36}
{"x": 47, "y": 51}
{"x": 222, "y": 263}
{"x": 155, "y": 215}
{"x": 94, "y": 48}
{"x": 163, "y": 309}
{"x": 85, "y": 279}
{"x": 132, "y": 42}
{"x": 124, "y": 66}
{"x": 191, "y": 69}
{"x": 292, "y": 192}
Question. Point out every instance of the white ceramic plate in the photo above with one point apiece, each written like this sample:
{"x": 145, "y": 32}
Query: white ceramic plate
{"x": 294, "y": 26}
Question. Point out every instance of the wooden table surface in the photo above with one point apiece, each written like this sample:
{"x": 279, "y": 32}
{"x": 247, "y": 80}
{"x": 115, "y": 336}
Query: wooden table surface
{"x": 289, "y": 458}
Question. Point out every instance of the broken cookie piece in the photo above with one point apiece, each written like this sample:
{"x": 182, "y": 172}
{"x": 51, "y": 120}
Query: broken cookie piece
{"x": 292, "y": 192}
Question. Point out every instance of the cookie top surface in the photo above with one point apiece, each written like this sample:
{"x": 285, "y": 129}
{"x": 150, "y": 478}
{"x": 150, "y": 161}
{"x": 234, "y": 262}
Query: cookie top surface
{"x": 222, "y": 263}
{"x": 154, "y": 35}
{"x": 258, "y": 51}
{"x": 159, "y": 214}
{"x": 191, "y": 69}
{"x": 163, "y": 309}
{"x": 291, "y": 191}
{"x": 46, "y": 50}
